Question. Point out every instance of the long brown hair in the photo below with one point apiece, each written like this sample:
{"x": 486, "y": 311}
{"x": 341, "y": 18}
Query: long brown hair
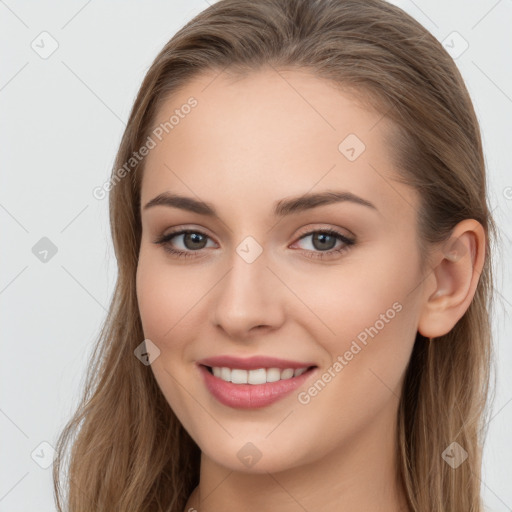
{"x": 129, "y": 452}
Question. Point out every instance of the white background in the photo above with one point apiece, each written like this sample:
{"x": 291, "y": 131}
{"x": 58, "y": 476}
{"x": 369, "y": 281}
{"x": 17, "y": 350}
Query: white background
{"x": 61, "y": 122}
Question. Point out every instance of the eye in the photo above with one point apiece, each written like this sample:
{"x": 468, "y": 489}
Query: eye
{"x": 192, "y": 240}
{"x": 322, "y": 243}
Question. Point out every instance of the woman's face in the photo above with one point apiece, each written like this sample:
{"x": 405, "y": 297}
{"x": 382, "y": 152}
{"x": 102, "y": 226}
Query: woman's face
{"x": 260, "y": 277}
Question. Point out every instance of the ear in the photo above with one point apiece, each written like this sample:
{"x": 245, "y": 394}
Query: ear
{"x": 451, "y": 285}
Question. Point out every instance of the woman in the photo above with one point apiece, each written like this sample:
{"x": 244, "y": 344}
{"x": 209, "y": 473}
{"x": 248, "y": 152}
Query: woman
{"x": 260, "y": 369}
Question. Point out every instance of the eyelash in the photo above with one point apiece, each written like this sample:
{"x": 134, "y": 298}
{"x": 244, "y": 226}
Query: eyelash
{"x": 164, "y": 241}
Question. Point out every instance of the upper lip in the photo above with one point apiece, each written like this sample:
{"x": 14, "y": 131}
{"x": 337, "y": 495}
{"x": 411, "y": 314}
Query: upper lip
{"x": 253, "y": 363}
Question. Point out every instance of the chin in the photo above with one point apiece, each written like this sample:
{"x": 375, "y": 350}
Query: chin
{"x": 255, "y": 457}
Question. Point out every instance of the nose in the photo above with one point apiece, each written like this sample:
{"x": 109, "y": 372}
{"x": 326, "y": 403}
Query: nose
{"x": 249, "y": 299}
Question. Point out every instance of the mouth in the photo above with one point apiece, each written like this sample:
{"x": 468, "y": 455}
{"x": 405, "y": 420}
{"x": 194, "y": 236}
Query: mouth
{"x": 242, "y": 388}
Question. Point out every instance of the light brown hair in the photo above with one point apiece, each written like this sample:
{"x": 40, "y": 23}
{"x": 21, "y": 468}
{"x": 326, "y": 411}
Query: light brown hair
{"x": 129, "y": 452}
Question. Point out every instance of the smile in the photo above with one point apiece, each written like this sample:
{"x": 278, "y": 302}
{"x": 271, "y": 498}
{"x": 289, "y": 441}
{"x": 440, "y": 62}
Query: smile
{"x": 242, "y": 388}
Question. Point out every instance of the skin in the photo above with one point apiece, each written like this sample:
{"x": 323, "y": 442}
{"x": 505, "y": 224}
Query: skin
{"x": 248, "y": 143}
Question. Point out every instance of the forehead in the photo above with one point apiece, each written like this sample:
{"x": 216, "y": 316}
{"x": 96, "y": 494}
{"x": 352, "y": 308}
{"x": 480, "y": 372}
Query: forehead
{"x": 268, "y": 135}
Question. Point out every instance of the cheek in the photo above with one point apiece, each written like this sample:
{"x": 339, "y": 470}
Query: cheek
{"x": 166, "y": 311}
{"x": 344, "y": 301}
{"x": 155, "y": 306}
{"x": 167, "y": 301}
{"x": 368, "y": 318}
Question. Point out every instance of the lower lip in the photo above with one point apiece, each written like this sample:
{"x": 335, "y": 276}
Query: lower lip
{"x": 251, "y": 396}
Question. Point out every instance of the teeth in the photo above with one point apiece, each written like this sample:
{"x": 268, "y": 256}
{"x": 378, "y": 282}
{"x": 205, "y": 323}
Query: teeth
{"x": 239, "y": 376}
{"x": 254, "y": 376}
{"x": 225, "y": 374}
{"x": 287, "y": 374}
{"x": 259, "y": 376}
{"x": 273, "y": 374}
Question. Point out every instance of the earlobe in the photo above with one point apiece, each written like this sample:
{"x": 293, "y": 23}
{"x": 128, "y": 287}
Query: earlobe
{"x": 455, "y": 276}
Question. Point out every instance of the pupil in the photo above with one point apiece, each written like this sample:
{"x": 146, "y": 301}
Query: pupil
{"x": 321, "y": 237}
{"x": 194, "y": 238}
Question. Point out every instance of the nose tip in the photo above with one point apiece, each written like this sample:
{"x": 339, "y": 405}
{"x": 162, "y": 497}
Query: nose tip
{"x": 247, "y": 301}
{"x": 241, "y": 319}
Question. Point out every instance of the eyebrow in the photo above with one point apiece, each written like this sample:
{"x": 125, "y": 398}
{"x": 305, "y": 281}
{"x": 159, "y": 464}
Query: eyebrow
{"x": 282, "y": 207}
